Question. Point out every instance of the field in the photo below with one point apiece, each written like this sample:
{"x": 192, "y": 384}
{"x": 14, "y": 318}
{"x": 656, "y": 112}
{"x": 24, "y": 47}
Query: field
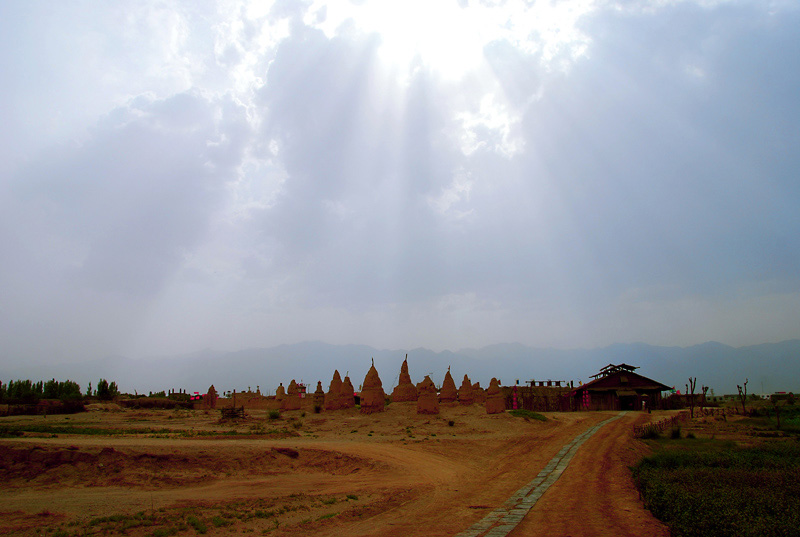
{"x": 180, "y": 472}
{"x": 732, "y": 477}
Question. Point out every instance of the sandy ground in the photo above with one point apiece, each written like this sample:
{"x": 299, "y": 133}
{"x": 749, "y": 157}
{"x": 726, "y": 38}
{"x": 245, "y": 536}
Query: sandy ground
{"x": 334, "y": 473}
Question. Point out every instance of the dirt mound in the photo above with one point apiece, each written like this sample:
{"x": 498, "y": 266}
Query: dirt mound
{"x": 23, "y": 466}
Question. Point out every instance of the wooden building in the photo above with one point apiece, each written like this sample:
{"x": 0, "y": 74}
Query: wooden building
{"x": 617, "y": 387}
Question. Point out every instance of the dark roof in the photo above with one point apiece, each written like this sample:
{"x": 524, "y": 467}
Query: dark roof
{"x": 611, "y": 368}
{"x": 624, "y": 379}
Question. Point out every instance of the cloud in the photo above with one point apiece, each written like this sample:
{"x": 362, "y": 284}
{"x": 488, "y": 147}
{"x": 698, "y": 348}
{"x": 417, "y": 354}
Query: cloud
{"x": 253, "y": 175}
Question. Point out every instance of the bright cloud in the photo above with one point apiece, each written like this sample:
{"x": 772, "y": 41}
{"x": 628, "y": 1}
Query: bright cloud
{"x": 177, "y": 176}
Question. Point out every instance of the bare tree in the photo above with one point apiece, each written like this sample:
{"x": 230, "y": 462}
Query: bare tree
{"x": 776, "y": 405}
{"x": 743, "y": 394}
{"x": 703, "y": 399}
{"x": 690, "y": 392}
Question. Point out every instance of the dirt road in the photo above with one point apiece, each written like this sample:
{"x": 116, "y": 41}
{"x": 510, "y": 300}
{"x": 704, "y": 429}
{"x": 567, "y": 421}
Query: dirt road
{"x": 396, "y": 473}
{"x": 595, "y": 494}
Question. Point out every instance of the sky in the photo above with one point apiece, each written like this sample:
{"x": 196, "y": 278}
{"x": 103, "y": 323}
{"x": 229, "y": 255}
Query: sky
{"x": 177, "y": 176}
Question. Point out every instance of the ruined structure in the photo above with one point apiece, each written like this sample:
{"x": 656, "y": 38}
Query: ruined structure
{"x": 427, "y": 400}
{"x": 280, "y": 393}
{"x": 373, "y": 399}
{"x": 347, "y": 398}
{"x": 448, "y": 393}
{"x": 319, "y": 397}
{"x": 478, "y": 393}
{"x": 495, "y": 401}
{"x": 334, "y": 392}
{"x": 292, "y": 399}
{"x": 211, "y": 397}
{"x": 465, "y": 393}
{"x": 405, "y": 389}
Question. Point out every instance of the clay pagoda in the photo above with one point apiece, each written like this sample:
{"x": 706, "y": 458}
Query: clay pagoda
{"x": 334, "y": 391}
{"x": 427, "y": 400}
{"x": 373, "y": 398}
{"x": 466, "y": 394}
{"x": 347, "y": 394}
{"x": 405, "y": 389}
{"x": 448, "y": 393}
{"x": 495, "y": 402}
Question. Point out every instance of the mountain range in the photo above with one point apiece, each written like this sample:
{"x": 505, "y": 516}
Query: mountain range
{"x": 769, "y": 367}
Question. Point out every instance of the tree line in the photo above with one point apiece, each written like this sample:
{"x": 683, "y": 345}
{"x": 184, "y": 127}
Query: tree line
{"x": 27, "y": 391}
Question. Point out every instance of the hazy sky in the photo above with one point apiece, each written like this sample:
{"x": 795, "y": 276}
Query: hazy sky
{"x": 183, "y": 175}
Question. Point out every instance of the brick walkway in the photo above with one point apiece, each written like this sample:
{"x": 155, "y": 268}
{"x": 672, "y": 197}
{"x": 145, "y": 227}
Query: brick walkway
{"x": 502, "y": 520}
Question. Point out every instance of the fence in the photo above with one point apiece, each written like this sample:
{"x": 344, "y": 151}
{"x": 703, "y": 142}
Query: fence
{"x": 640, "y": 431}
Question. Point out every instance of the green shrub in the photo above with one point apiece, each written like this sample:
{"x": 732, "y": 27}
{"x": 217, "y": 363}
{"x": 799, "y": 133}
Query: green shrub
{"x": 198, "y": 525}
{"x": 528, "y": 414}
{"x": 723, "y": 491}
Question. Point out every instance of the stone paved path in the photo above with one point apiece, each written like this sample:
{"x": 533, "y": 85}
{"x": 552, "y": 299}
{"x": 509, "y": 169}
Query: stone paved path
{"x": 502, "y": 520}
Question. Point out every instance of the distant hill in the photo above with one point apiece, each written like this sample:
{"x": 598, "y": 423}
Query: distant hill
{"x": 770, "y": 367}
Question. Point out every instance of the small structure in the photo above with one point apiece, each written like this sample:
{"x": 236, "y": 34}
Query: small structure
{"x": 373, "y": 398}
{"x": 617, "y": 387}
{"x": 448, "y": 393}
{"x": 466, "y": 395}
{"x": 478, "y": 393}
{"x": 495, "y": 400}
{"x": 427, "y": 400}
{"x": 405, "y": 389}
{"x": 292, "y": 399}
{"x": 334, "y": 391}
{"x": 210, "y": 400}
{"x": 347, "y": 395}
{"x": 319, "y": 397}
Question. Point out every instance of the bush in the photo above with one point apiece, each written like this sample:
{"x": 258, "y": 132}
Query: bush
{"x": 675, "y": 434}
{"x": 651, "y": 434}
{"x": 274, "y": 414}
{"x": 527, "y": 414}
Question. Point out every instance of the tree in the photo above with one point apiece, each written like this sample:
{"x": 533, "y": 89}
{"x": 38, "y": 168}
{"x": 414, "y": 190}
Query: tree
{"x": 692, "y": 384}
{"x": 777, "y": 407}
{"x": 703, "y": 400}
{"x": 89, "y": 390}
{"x": 106, "y": 391}
{"x": 743, "y": 394}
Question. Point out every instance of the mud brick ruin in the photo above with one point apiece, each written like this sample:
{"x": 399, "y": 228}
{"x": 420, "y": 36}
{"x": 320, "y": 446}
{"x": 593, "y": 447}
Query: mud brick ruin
{"x": 373, "y": 398}
{"x": 405, "y": 389}
{"x": 478, "y": 393}
{"x": 319, "y": 397}
{"x": 427, "y": 400}
{"x": 334, "y": 390}
{"x": 495, "y": 401}
{"x": 466, "y": 395}
{"x": 292, "y": 399}
{"x": 448, "y": 393}
{"x": 347, "y": 395}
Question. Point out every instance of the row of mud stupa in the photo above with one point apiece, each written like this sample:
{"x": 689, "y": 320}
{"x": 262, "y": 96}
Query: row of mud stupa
{"x": 340, "y": 394}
